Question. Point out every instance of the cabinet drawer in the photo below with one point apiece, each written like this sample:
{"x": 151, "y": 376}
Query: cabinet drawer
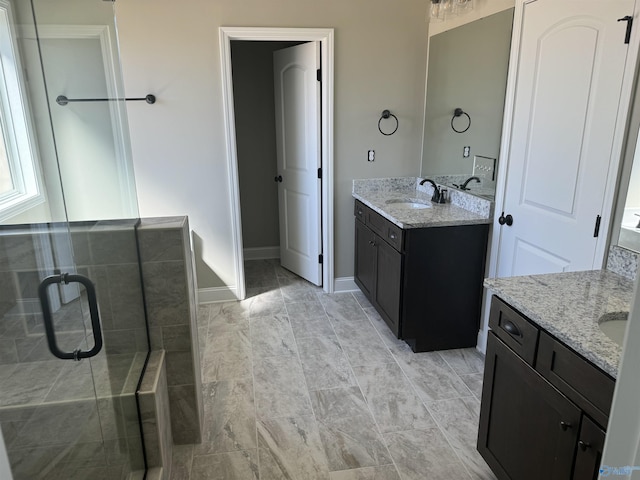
{"x": 513, "y": 329}
{"x": 586, "y": 385}
{"x": 388, "y": 231}
{"x": 361, "y": 212}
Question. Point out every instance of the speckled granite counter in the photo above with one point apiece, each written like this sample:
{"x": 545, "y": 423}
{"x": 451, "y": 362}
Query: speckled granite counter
{"x": 461, "y": 209}
{"x": 568, "y": 306}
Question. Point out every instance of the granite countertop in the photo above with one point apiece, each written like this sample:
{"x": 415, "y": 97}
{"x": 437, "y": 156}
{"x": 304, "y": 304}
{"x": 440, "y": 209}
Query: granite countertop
{"x": 568, "y": 306}
{"x": 461, "y": 209}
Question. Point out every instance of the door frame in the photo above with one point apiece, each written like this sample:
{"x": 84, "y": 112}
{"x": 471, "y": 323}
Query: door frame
{"x": 610, "y": 194}
{"x": 325, "y": 37}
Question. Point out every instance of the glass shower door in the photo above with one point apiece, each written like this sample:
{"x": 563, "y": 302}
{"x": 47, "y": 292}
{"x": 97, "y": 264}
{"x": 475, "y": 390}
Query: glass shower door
{"x": 73, "y": 335}
{"x": 66, "y": 410}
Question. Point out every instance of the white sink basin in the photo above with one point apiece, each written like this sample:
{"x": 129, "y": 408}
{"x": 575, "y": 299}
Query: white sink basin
{"x": 408, "y": 203}
{"x": 614, "y": 325}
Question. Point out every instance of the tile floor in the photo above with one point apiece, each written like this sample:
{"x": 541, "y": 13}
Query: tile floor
{"x": 299, "y": 384}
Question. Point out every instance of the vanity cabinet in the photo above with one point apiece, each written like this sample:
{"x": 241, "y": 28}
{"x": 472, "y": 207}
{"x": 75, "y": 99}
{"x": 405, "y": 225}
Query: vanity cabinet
{"x": 542, "y": 404}
{"x": 426, "y": 283}
{"x": 379, "y": 274}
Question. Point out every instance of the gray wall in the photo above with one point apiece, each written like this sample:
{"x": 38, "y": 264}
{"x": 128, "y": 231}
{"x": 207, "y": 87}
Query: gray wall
{"x": 172, "y": 48}
{"x": 256, "y": 140}
{"x": 467, "y": 69}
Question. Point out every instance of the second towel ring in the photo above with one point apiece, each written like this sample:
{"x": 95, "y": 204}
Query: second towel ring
{"x": 457, "y": 113}
{"x": 386, "y": 114}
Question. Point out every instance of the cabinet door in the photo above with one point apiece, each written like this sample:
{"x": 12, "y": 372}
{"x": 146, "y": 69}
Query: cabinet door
{"x": 584, "y": 384}
{"x": 388, "y": 283}
{"x": 589, "y": 453}
{"x": 365, "y": 260}
{"x": 528, "y": 429}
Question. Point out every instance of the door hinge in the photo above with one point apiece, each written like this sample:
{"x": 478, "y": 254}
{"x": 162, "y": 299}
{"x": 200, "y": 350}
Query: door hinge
{"x": 596, "y": 230}
{"x": 320, "y": 258}
{"x": 320, "y": 172}
{"x": 629, "y": 20}
{"x": 319, "y": 74}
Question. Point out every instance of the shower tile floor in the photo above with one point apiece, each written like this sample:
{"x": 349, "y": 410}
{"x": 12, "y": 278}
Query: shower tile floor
{"x": 299, "y": 384}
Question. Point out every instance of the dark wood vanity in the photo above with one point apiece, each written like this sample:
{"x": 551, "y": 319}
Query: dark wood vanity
{"x": 544, "y": 407}
{"x": 426, "y": 283}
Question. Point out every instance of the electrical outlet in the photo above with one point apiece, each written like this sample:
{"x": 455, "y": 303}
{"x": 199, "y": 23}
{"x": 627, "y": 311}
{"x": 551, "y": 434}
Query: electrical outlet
{"x": 371, "y": 155}
{"x": 466, "y": 151}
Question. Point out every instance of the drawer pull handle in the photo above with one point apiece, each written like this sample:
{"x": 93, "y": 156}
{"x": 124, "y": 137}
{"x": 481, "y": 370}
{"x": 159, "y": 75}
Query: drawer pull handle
{"x": 583, "y": 445}
{"x": 392, "y": 236}
{"x": 564, "y": 426}
{"x": 372, "y": 243}
{"x": 511, "y": 329}
{"x": 359, "y": 212}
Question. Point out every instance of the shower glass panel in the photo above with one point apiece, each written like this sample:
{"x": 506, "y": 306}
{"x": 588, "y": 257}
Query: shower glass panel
{"x": 70, "y": 282}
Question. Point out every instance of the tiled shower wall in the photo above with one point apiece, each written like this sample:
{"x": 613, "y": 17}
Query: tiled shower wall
{"x": 168, "y": 275}
{"x": 105, "y": 252}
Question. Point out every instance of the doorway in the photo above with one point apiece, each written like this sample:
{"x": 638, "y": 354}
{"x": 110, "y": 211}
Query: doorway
{"x": 325, "y": 213}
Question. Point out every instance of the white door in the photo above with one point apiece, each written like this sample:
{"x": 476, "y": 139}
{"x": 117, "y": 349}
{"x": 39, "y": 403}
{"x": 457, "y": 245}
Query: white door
{"x": 297, "y": 98}
{"x": 568, "y": 88}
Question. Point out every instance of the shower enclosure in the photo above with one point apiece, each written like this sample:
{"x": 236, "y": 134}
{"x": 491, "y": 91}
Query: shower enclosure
{"x": 73, "y": 332}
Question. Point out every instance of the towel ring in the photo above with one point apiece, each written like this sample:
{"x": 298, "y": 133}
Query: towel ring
{"x": 457, "y": 113}
{"x": 387, "y": 114}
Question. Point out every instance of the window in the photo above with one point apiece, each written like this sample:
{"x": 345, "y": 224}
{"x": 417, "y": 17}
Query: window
{"x": 19, "y": 172}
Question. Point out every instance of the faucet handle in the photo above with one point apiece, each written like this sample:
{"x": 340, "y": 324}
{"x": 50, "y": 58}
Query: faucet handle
{"x": 443, "y": 196}
{"x": 436, "y": 194}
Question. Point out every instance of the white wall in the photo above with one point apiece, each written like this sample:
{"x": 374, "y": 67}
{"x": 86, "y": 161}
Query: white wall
{"x": 84, "y": 162}
{"x": 171, "y": 49}
{"x": 87, "y": 153}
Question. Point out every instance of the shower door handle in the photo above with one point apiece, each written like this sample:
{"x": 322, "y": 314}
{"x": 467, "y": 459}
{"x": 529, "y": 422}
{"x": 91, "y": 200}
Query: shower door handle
{"x": 67, "y": 278}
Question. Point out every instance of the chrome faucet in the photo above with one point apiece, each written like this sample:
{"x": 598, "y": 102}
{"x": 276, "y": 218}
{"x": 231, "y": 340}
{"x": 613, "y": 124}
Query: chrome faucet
{"x": 437, "y": 194}
{"x": 464, "y": 185}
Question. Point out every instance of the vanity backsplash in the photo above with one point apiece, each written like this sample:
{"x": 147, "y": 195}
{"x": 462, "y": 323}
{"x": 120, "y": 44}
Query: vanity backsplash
{"x": 623, "y": 262}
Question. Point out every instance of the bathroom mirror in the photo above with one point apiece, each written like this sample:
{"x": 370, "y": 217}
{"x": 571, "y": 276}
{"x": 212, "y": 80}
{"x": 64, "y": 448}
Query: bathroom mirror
{"x": 629, "y": 212}
{"x": 624, "y": 231}
{"x": 467, "y": 69}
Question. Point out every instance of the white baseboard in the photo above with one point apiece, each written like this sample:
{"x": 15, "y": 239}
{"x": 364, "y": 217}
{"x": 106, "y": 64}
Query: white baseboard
{"x": 217, "y": 294}
{"x": 261, "y": 253}
{"x": 344, "y": 284}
